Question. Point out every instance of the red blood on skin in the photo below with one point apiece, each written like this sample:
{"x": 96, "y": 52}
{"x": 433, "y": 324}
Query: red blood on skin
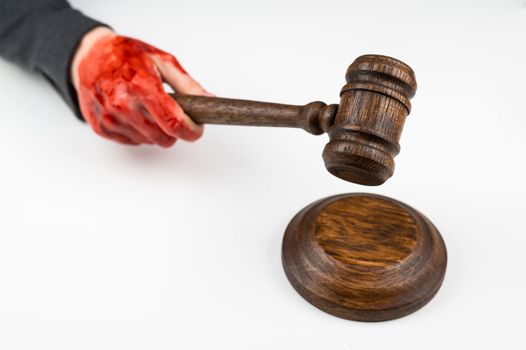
{"x": 121, "y": 94}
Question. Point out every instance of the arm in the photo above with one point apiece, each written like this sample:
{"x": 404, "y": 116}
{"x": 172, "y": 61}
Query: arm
{"x": 43, "y": 36}
{"x": 112, "y": 82}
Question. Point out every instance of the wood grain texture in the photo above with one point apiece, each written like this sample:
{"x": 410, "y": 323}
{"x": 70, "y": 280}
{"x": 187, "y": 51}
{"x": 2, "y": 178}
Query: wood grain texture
{"x": 364, "y": 130}
{"x": 364, "y": 257}
{"x": 364, "y": 138}
{"x": 313, "y": 117}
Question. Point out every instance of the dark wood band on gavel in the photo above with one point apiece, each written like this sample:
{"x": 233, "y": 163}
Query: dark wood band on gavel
{"x": 364, "y": 130}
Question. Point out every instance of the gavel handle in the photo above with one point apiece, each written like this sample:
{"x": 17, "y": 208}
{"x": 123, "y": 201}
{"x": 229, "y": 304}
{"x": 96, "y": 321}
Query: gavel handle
{"x": 314, "y": 117}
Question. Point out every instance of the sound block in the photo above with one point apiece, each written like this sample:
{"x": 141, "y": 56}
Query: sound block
{"x": 364, "y": 257}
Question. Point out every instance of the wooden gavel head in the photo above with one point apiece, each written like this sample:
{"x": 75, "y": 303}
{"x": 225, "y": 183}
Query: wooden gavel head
{"x": 366, "y": 130}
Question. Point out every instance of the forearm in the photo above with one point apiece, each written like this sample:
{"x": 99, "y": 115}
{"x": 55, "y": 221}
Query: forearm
{"x": 43, "y": 36}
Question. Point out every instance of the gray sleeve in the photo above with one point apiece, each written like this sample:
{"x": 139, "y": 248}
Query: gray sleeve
{"x": 42, "y": 35}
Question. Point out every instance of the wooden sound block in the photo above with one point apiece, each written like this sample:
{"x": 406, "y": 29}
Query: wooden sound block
{"x": 364, "y": 257}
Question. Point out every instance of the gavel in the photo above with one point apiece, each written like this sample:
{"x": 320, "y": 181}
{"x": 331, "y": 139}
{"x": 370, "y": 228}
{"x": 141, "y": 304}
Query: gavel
{"x": 364, "y": 130}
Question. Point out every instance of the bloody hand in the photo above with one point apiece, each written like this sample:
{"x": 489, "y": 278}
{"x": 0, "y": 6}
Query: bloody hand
{"x": 119, "y": 82}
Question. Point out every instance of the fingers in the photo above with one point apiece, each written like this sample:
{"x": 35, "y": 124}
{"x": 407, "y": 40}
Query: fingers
{"x": 171, "y": 118}
{"x": 168, "y": 114}
{"x": 110, "y": 133}
{"x": 131, "y": 126}
{"x": 92, "y": 112}
{"x": 114, "y": 136}
{"x": 112, "y": 126}
{"x": 145, "y": 124}
{"x": 140, "y": 131}
{"x": 127, "y": 107}
{"x": 176, "y": 76}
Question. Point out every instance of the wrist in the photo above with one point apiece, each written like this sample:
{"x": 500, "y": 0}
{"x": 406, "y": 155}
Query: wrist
{"x": 86, "y": 43}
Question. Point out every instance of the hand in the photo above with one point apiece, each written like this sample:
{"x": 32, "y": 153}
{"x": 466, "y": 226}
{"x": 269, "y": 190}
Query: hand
{"x": 119, "y": 82}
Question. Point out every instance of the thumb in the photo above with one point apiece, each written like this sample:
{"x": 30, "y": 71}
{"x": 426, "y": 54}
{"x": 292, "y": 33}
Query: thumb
{"x": 177, "y": 78}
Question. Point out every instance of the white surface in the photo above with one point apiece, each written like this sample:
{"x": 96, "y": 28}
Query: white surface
{"x": 111, "y": 247}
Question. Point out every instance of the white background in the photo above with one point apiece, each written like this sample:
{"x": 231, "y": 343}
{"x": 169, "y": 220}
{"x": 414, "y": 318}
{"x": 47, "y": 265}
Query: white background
{"x": 112, "y": 247}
